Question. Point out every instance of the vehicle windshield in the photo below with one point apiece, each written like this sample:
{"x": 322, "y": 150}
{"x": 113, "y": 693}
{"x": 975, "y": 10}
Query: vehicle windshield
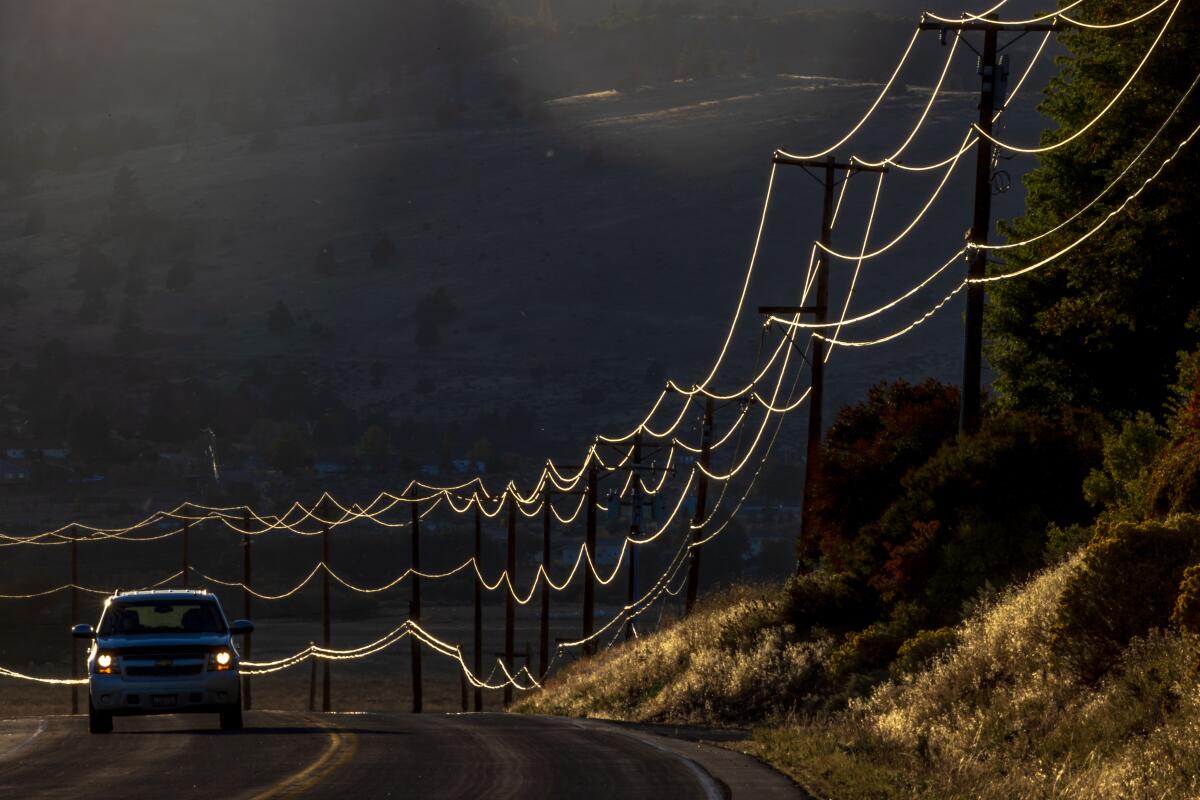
{"x": 136, "y": 618}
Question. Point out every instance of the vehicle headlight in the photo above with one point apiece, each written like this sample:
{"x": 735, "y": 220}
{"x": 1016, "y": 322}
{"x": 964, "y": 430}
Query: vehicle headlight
{"x": 220, "y": 661}
{"x": 106, "y": 664}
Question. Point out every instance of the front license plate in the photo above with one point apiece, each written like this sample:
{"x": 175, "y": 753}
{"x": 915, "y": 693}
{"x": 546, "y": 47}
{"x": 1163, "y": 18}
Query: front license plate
{"x": 164, "y": 700}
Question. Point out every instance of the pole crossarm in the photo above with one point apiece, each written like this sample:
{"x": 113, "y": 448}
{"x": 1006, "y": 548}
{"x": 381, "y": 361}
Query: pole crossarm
{"x": 979, "y": 25}
{"x": 791, "y": 161}
{"x": 789, "y": 309}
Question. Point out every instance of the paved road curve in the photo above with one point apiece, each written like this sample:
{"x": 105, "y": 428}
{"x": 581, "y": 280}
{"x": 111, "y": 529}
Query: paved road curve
{"x": 363, "y": 756}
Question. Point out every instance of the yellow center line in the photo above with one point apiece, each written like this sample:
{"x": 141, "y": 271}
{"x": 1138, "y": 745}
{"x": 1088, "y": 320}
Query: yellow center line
{"x": 342, "y": 747}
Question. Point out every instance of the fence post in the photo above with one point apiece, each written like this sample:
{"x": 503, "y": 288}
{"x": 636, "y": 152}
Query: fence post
{"x": 247, "y": 564}
{"x": 74, "y": 619}
{"x": 414, "y": 607}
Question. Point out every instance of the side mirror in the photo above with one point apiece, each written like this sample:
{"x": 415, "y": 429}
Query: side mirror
{"x": 240, "y": 627}
{"x": 83, "y": 632}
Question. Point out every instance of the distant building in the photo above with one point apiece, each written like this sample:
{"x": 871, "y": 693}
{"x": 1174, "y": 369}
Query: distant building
{"x": 13, "y": 472}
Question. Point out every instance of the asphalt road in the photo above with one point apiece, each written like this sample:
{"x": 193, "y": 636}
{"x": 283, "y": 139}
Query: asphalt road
{"x": 362, "y": 756}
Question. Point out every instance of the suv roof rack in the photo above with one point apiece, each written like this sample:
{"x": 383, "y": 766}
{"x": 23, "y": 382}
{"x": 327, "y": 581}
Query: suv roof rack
{"x": 159, "y": 591}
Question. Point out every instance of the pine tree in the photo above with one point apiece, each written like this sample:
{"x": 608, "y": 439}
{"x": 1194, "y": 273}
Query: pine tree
{"x": 1102, "y": 325}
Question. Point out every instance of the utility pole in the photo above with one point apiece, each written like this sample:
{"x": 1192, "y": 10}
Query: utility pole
{"x": 247, "y": 702}
{"x": 74, "y": 619}
{"x": 829, "y": 167}
{"x": 544, "y": 628}
{"x": 510, "y": 603}
{"x": 589, "y": 577}
{"x": 635, "y": 530}
{"x": 478, "y": 606}
{"x": 693, "y": 586}
{"x": 187, "y": 524}
{"x": 326, "y": 700}
{"x": 991, "y": 95}
{"x": 414, "y": 606}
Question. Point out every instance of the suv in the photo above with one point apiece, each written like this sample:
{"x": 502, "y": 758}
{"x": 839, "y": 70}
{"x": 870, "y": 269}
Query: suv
{"x": 162, "y": 652}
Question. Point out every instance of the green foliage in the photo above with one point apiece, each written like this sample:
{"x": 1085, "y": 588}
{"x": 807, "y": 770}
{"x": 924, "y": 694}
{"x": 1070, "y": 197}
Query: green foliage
{"x": 1186, "y": 614}
{"x": 1173, "y": 485}
{"x": 1100, "y": 326}
{"x": 867, "y": 452}
{"x": 1128, "y": 583}
{"x": 1119, "y": 486}
{"x": 916, "y": 653}
{"x": 835, "y": 602}
{"x": 976, "y": 514}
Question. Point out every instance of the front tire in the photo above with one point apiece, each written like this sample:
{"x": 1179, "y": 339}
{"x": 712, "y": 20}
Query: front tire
{"x": 99, "y": 721}
{"x": 231, "y": 717}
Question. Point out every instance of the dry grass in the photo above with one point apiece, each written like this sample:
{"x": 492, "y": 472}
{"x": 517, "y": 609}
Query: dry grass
{"x": 991, "y": 719}
{"x": 994, "y": 718}
{"x": 732, "y": 660}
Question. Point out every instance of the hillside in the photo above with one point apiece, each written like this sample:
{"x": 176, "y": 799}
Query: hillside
{"x": 992, "y": 716}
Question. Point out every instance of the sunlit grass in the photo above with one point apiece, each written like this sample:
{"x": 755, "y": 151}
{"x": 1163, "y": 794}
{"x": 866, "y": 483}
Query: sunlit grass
{"x": 994, "y": 717}
{"x": 732, "y": 660}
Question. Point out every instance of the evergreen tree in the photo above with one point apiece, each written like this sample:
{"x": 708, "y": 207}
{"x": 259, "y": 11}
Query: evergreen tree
{"x": 1102, "y": 325}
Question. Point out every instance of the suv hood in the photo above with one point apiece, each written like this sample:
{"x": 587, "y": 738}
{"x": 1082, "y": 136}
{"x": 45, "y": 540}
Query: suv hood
{"x": 155, "y": 640}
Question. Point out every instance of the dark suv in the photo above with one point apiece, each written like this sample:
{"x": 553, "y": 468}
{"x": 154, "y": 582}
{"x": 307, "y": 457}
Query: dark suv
{"x": 163, "y": 652}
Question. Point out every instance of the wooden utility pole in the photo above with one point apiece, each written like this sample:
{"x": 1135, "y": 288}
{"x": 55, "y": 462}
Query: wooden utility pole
{"x": 510, "y": 603}
{"x": 693, "y": 586}
{"x": 820, "y": 311}
{"x": 635, "y": 530}
{"x": 989, "y": 98}
{"x": 74, "y": 618}
{"x": 187, "y": 524}
{"x": 589, "y": 578}
{"x": 414, "y": 607}
{"x": 544, "y": 628}
{"x": 247, "y": 565}
{"x": 478, "y": 607}
{"x": 326, "y": 702}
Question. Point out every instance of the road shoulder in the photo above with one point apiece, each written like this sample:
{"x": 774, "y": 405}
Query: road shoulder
{"x": 740, "y": 776}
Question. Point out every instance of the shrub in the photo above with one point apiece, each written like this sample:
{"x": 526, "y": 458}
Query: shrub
{"x": 976, "y": 514}
{"x": 836, "y": 602}
{"x": 916, "y": 653}
{"x": 1127, "y": 584}
{"x": 1119, "y": 486}
{"x": 1186, "y": 614}
{"x": 869, "y": 448}
{"x": 870, "y": 650}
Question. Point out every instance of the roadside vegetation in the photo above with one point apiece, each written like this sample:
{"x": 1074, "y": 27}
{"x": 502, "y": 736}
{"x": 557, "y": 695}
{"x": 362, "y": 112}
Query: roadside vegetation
{"x": 1013, "y": 613}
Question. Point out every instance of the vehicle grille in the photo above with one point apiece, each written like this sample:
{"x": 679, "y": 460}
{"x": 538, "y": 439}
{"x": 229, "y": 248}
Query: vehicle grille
{"x": 153, "y": 670}
{"x": 163, "y": 664}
